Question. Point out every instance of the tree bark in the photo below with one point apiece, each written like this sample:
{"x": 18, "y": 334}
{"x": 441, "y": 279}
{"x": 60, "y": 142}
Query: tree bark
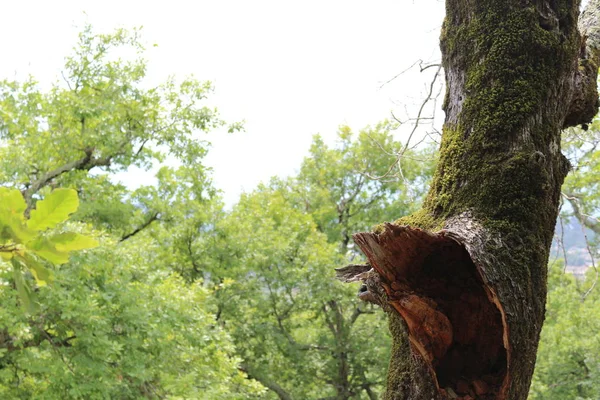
{"x": 83, "y": 164}
{"x": 464, "y": 279}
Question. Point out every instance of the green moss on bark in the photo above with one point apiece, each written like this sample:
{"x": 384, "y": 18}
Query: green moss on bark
{"x": 407, "y": 380}
{"x": 490, "y": 158}
{"x": 423, "y": 219}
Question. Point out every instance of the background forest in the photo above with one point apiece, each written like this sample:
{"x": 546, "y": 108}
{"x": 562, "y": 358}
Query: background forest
{"x": 164, "y": 292}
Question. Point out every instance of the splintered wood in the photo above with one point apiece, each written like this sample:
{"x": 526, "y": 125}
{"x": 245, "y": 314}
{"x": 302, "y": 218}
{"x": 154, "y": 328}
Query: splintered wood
{"x": 434, "y": 285}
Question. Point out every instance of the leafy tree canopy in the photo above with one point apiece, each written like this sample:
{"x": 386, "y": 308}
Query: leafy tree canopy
{"x": 112, "y": 322}
{"x": 160, "y": 291}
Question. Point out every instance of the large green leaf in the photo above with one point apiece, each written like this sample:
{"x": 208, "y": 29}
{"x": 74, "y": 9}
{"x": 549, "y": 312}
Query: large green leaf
{"x": 12, "y": 226}
{"x": 13, "y": 200}
{"x": 54, "y": 209}
{"x": 41, "y": 274}
{"x": 12, "y": 206}
{"x": 18, "y": 231}
{"x": 26, "y": 295}
{"x": 45, "y": 248}
{"x": 71, "y": 241}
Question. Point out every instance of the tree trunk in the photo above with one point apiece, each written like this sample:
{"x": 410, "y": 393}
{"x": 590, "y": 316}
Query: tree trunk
{"x": 464, "y": 279}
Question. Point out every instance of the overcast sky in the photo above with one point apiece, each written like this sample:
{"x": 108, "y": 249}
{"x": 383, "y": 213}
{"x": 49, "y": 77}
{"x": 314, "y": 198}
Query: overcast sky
{"x": 290, "y": 69}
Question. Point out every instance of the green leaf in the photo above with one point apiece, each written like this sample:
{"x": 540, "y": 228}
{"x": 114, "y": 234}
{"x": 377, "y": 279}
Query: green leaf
{"x": 46, "y": 249}
{"x": 72, "y": 241}
{"x": 12, "y": 227}
{"x": 54, "y": 209}
{"x": 17, "y": 231}
{"x": 13, "y": 200}
{"x": 41, "y": 274}
{"x": 25, "y": 293}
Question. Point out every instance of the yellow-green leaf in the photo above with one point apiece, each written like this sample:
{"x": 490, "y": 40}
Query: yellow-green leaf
{"x": 13, "y": 200}
{"x": 25, "y": 293}
{"x": 20, "y": 232}
{"x": 13, "y": 228}
{"x": 54, "y": 209}
{"x": 72, "y": 241}
{"x": 12, "y": 206}
{"x": 44, "y": 248}
{"x": 6, "y": 255}
{"x": 41, "y": 274}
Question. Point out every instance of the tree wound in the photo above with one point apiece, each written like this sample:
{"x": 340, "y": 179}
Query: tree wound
{"x": 454, "y": 320}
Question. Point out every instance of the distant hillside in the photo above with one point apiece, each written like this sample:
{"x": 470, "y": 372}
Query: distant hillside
{"x": 578, "y": 258}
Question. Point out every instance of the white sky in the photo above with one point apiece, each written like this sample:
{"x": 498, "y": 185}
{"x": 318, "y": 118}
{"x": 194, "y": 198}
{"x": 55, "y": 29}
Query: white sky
{"x": 289, "y": 69}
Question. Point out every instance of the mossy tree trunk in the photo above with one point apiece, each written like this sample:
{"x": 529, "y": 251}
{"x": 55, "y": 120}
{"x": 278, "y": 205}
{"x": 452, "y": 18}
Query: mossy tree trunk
{"x": 464, "y": 279}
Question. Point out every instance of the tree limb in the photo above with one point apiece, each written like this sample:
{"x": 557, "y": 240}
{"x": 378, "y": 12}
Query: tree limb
{"x": 266, "y": 382}
{"x": 153, "y": 217}
{"x": 586, "y": 220}
{"x": 83, "y": 164}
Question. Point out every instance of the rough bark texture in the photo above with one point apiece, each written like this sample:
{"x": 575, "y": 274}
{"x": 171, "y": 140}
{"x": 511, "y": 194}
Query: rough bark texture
{"x": 464, "y": 279}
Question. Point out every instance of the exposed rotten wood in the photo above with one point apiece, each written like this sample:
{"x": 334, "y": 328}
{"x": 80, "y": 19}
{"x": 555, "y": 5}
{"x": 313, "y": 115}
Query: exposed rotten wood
{"x": 454, "y": 323}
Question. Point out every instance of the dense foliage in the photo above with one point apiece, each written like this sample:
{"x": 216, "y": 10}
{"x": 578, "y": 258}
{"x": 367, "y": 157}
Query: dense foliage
{"x": 568, "y": 364}
{"x": 163, "y": 292}
{"x": 114, "y": 323}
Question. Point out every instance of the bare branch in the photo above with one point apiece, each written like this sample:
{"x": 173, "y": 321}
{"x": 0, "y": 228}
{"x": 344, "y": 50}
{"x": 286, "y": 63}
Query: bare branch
{"x": 137, "y": 153}
{"x": 401, "y": 73}
{"x": 587, "y": 244}
{"x": 85, "y": 164}
{"x": 417, "y": 120}
{"x": 429, "y": 66}
{"x": 153, "y": 217}
{"x": 423, "y": 104}
{"x": 587, "y": 220}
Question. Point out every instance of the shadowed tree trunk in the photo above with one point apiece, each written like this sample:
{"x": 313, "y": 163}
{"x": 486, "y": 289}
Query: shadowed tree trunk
{"x": 464, "y": 279}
